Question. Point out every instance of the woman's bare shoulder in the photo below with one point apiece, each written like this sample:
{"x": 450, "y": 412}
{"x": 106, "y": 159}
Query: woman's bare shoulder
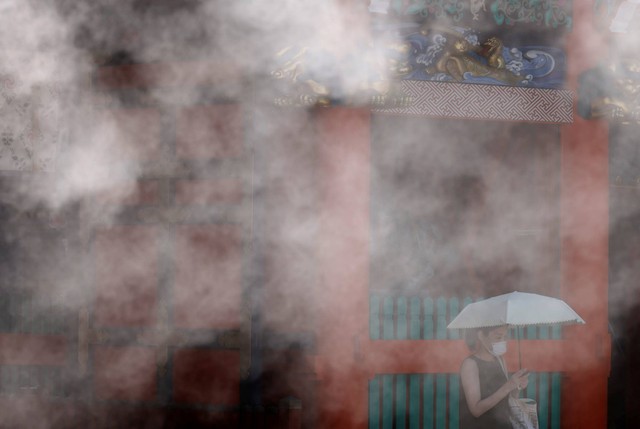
{"x": 469, "y": 364}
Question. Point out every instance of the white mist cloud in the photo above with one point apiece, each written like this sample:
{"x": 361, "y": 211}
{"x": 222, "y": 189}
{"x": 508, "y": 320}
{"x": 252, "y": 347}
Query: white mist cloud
{"x": 35, "y": 45}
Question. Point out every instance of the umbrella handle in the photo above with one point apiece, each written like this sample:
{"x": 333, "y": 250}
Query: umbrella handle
{"x": 519, "y": 351}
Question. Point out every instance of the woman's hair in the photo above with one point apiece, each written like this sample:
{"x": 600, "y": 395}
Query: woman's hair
{"x": 471, "y": 335}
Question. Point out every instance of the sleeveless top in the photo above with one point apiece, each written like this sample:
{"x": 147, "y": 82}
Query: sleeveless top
{"x": 491, "y": 379}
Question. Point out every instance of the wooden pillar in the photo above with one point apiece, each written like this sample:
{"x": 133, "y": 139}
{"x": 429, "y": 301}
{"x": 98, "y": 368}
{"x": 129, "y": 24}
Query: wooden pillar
{"x": 342, "y": 297}
{"x": 585, "y": 240}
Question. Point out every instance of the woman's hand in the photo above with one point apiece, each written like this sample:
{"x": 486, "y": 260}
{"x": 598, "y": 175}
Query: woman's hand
{"x": 520, "y": 379}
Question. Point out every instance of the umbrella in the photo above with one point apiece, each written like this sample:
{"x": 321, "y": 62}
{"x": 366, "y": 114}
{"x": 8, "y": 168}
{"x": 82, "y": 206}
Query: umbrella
{"x": 515, "y": 309}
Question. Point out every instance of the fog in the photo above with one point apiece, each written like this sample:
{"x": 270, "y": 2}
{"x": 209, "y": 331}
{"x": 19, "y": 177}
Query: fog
{"x": 122, "y": 224}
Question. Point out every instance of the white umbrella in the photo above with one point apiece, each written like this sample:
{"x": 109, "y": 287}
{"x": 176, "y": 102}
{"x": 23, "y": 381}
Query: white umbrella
{"x": 516, "y": 309}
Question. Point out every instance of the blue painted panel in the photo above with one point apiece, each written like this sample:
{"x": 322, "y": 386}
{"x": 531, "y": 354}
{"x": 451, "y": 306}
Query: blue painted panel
{"x": 5, "y": 317}
{"x": 429, "y": 401}
{"x": 543, "y": 332}
{"x": 401, "y": 401}
{"x": 532, "y": 387}
{"x": 454, "y": 401}
{"x": 25, "y": 316}
{"x": 441, "y": 318}
{"x": 387, "y": 401}
{"x": 374, "y": 403}
{"x": 8, "y": 379}
{"x": 387, "y": 313}
{"x": 374, "y": 317}
{"x": 55, "y": 377}
{"x": 14, "y": 302}
{"x": 414, "y": 401}
{"x": 466, "y": 301}
{"x": 441, "y": 401}
{"x": 556, "y": 394}
{"x": 543, "y": 400}
{"x": 532, "y": 332}
{"x": 414, "y": 323}
{"x": 429, "y": 325}
{"x": 454, "y": 309}
{"x": 401, "y": 327}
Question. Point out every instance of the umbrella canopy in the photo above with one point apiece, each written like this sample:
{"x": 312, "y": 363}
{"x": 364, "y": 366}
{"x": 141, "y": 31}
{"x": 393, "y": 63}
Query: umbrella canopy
{"x": 515, "y": 309}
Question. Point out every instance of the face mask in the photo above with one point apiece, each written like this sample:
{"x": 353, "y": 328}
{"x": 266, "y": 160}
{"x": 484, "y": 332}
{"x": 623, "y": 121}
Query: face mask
{"x": 499, "y": 348}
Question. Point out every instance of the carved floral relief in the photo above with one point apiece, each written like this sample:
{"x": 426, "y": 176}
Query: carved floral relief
{"x": 545, "y": 13}
{"x": 30, "y": 130}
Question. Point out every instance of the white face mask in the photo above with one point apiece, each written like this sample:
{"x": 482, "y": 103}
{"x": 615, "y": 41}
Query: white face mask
{"x": 499, "y": 348}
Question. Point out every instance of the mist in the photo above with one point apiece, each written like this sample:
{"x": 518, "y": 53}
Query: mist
{"x": 172, "y": 207}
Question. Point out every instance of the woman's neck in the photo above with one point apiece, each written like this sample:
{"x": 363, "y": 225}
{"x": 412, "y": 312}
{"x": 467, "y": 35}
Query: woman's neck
{"x": 484, "y": 354}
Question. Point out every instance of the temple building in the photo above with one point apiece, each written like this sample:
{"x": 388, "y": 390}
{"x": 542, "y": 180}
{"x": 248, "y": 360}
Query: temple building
{"x": 255, "y": 216}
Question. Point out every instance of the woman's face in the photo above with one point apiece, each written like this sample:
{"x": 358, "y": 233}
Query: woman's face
{"x": 496, "y": 335}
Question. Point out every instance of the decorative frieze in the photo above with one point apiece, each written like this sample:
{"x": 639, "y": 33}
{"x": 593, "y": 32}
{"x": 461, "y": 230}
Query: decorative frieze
{"x": 465, "y": 55}
{"x": 424, "y": 66}
{"x": 451, "y": 100}
{"x": 371, "y": 75}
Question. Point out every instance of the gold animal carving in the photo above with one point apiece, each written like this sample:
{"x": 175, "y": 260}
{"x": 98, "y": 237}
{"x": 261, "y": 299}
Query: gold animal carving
{"x": 458, "y": 58}
{"x": 373, "y": 86}
{"x": 620, "y": 102}
{"x": 293, "y": 70}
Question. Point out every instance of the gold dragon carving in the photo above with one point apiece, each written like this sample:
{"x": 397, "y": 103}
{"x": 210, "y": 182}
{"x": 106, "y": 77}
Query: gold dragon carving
{"x": 378, "y": 88}
{"x": 458, "y": 59}
{"x": 620, "y": 99}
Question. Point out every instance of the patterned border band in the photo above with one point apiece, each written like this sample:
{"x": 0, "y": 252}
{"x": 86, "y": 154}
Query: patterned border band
{"x": 472, "y": 101}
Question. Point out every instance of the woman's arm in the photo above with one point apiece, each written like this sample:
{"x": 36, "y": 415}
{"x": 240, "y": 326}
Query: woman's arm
{"x": 471, "y": 386}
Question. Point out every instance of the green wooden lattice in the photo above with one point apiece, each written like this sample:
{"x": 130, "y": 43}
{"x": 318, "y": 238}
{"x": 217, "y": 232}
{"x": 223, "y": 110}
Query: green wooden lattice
{"x": 431, "y": 401}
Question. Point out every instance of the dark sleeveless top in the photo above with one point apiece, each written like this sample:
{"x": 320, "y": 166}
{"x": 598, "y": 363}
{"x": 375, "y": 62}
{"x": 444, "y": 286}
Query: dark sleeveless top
{"x": 491, "y": 379}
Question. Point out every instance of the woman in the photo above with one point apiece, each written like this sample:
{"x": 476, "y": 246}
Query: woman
{"x": 485, "y": 385}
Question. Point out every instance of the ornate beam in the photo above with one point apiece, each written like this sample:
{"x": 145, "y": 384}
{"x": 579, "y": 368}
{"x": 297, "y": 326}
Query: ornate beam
{"x": 431, "y": 71}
